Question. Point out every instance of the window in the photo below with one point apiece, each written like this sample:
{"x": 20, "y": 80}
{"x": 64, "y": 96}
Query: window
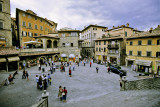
{"x": 41, "y": 27}
{"x": 35, "y": 34}
{"x": 139, "y": 42}
{"x": 40, "y": 34}
{"x": 102, "y": 29}
{"x": 131, "y": 43}
{"x": 63, "y": 44}
{"x": 149, "y": 54}
{"x": 149, "y": 42}
{"x": 0, "y": 7}
{"x": 130, "y": 52}
{"x": 74, "y": 34}
{"x": 30, "y": 34}
{"x": 104, "y": 42}
{"x": 71, "y": 44}
{"x": 35, "y": 18}
{"x": 96, "y": 49}
{"x": 116, "y": 51}
{"x": 29, "y": 25}
{"x": 23, "y": 14}
{"x": 41, "y": 20}
{"x": 63, "y": 35}
{"x": 158, "y": 42}
{"x": 157, "y": 54}
{"x": 45, "y": 29}
{"x": 99, "y": 49}
{"x": 29, "y": 16}
{"x": 138, "y": 53}
{"x": 23, "y": 23}
{"x": 104, "y": 49}
{"x": 36, "y": 27}
{"x": 24, "y": 33}
{"x": 99, "y": 42}
{"x": 94, "y": 34}
{"x": 125, "y": 34}
{"x": 94, "y": 28}
{"x": 1, "y": 25}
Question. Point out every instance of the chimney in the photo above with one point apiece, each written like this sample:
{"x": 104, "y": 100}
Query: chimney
{"x": 151, "y": 29}
{"x": 127, "y": 24}
{"x": 113, "y": 27}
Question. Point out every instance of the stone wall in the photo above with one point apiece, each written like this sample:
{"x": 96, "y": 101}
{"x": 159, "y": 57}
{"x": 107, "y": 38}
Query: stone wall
{"x": 149, "y": 83}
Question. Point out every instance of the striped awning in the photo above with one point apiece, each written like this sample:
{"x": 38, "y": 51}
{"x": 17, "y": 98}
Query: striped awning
{"x": 71, "y": 56}
{"x": 11, "y": 59}
{"x": 2, "y": 60}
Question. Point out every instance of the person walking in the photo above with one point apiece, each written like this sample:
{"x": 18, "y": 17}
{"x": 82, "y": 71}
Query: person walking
{"x": 54, "y": 67}
{"x": 24, "y": 75}
{"x": 10, "y": 79}
{"x": 27, "y": 75}
{"x": 78, "y": 63}
{"x": 49, "y": 77}
{"x": 46, "y": 63}
{"x": 90, "y": 64}
{"x": 108, "y": 69}
{"x": 39, "y": 66}
{"x": 84, "y": 63}
{"x": 51, "y": 70}
{"x": 40, "y": 83}
{"x": 70, "y": 72}
{"x": 64, "y": 93}
{"x": 37, "y": 80}
{"x": 97, "y": 69}
{"x": 60, "y": 93}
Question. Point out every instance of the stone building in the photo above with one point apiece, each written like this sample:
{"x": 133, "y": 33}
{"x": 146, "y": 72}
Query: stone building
{"x": 5, "y": 24}
{"x": 30, "y": 25}
{"x": 88, "y": 35}
{"x": 68, "y": 44}
{"x": 143, "y": 51}
{"x": 112, "y": 46}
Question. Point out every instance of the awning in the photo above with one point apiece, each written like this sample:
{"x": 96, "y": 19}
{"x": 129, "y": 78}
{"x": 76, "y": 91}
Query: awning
{"x": 71, "y": 56}
{"x": 11, "y": 59}
{"x": 63, "y": 55}
{"x": 2, "y": 60}
{"x": 143, "y": 62}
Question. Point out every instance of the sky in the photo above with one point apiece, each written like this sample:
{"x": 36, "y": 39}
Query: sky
{"x": 75, "y": 14}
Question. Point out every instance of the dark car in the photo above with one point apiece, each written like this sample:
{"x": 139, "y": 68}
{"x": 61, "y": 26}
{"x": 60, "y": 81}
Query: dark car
{"x": 117, "y": 71}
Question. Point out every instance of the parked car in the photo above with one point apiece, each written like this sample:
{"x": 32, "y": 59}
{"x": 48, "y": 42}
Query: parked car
{"x": 117, "y": 71}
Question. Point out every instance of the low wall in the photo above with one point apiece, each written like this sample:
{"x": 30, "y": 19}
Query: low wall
{"x": 42, "y": 103}
{"x": 149, "y": 83}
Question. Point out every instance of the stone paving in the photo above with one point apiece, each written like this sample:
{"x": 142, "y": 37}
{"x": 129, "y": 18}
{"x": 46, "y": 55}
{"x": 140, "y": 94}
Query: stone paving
{"x": 86, "y": 88}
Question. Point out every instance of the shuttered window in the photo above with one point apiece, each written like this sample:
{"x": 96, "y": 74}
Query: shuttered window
{"x": 1, "y": 25}
{"x": 0, "y": 7}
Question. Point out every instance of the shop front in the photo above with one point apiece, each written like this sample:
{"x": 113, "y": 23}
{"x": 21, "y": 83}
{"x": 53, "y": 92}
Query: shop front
{"x": 113, "y": 60}
{"x": 2, "y": 64}
{"x": 13, "y": 63}
{"x": 72, "y": 57}
{"x": 63, "y": 58}
{"x": 158, "y": 67}
{"x": 56, "y": 58}
{"x": 144, "y": 66}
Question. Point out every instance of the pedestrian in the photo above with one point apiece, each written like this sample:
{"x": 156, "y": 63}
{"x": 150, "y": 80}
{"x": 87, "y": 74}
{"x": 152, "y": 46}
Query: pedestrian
{"x": 49, "y": 77}
{"x": 73, "y": 67}
{"x": 84, "y": 63}
{"x": 27, "y": 75}
{"x": 54, "y": 67}
{"x": 108, "y": 69}
{"x": 51, "y": 70}
{"x": 49, "y": 63}
{"x": 10, "y": 79}
{"x": 37, "y": 80}
{"x": 90, "y": 64}
{"x": 78, "y": 63}
{"x": 97, "y": 69}
{"x": 60, "y": 93}
{"x": 39, "y": 67}
{"x": 64, "y": 93}
{"x": 45, "y": 83}
{"x": 40, "y": 83}
{"x": 52, "y": 62}
{"x": 70, "y": 72}
{"x": 46, "y": 63}
{"x": 24, "y": 75}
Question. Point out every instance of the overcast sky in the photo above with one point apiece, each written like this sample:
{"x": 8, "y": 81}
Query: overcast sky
{"x": 140, "y": 14}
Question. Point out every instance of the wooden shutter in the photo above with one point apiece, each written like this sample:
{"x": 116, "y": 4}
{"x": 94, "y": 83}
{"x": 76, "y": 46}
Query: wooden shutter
{"x": 0, "y": 7}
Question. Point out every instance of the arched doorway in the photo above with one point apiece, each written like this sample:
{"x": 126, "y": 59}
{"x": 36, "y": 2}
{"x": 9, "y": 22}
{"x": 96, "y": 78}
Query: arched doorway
{"x": 49, "y": 44}
{"x": 40, "y": 45}
{"x": 55, "y": 44}
{"x": 42, "y": 60}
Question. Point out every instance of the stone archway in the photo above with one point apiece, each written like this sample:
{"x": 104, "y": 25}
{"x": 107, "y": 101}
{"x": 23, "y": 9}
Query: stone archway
{"x": 40, "y": 45}
{"x": 55, "y": 44}
{"x": 49, "y": 44}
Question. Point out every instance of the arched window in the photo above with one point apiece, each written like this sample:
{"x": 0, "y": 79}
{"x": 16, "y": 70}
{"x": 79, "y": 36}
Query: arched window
{"x": 49, "y": 44}
{"x": 55, "y": 44}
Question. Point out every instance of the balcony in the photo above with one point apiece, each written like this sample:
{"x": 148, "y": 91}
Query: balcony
{"x": 113, "y": 46}
{"x": 37, "y": 51}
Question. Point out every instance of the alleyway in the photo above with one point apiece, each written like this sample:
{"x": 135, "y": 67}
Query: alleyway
{"x": 86, "y": 88}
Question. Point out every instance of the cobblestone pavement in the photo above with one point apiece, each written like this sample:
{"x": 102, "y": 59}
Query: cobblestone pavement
{"x": 86, "y": 88}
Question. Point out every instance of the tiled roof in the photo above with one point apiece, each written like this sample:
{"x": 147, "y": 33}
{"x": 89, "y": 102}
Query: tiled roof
{"x": 150, "y": 33}
{"x": 47, "y": 36}
{"x": 8, "y": 51}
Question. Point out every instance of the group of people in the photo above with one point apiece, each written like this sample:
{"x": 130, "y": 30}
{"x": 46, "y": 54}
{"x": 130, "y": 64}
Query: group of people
{"x": 62, "y": 94}
{"x": 43, "y": 81}
{"x": 25, "y": 75}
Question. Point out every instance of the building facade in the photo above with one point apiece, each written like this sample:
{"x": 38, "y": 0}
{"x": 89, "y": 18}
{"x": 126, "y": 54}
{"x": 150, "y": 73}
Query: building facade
{"x": 30, "y": 25}
{"x": 143, "y": 51}
{"x": 68, "y": 44}
{"x": 88, "y": 35}
{"x": 113, "y": 44}
{"x": 5, "y": 24}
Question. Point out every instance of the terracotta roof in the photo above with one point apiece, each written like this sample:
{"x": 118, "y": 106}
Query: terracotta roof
{"x": 151, "y": 33}
{"x": 8, "y": 51}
